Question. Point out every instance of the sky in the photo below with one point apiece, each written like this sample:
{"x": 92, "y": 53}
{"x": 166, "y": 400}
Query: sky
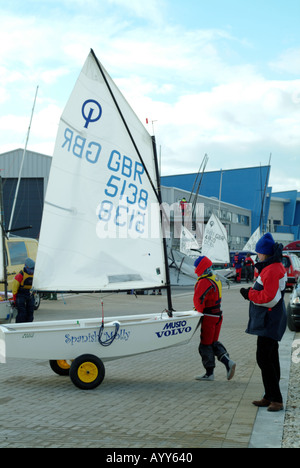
{"x": 220, "y": 78}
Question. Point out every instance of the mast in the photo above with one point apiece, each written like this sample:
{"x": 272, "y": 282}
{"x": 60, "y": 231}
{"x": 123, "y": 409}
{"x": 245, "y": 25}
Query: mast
{"x": 261, "y": 221}
{"x": 22, "y": 162}
{"x": 156, "y": 191}
{"x": 220, "y": 193}
{"x": 194, "y": 203}
{"x": 3, "y": 235}
{"x": 169, "y": 295}
{"x": 125, "y": 124}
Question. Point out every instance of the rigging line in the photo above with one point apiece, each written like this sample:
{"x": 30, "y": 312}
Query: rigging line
{"x": 126, "y": 126}
{"x": 22, "y": 162}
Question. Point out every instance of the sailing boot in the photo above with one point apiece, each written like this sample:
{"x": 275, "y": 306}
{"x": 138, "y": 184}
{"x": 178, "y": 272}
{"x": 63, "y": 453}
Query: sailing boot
{"x": 208, "y": 376}
{"x": 229, "y": 364}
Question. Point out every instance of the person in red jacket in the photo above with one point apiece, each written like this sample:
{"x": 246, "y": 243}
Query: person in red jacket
{"x": 237, "y": 264}
{"x": 207, "y": 300}
{"x": 249, "y": 268}
{"x": 21, "y": 289}
{"x": 267, "y": 317}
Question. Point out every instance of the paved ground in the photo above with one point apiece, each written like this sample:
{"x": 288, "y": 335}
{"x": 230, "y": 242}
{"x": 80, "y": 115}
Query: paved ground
{"x": 148, "y": 401}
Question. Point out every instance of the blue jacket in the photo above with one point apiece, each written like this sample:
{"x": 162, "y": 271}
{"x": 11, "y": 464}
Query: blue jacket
{"x": 267, "y": 313}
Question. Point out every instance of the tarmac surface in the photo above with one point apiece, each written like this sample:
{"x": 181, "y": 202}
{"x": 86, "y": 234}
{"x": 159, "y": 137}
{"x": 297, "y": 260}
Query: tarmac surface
{"x": 146, "y": 401}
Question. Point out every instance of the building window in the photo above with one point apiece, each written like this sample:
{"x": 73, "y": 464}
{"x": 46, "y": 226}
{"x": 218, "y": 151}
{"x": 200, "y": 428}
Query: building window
{"x": 240, "y": 219}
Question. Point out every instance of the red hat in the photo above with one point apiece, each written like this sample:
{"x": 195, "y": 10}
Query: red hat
{"x": 202, "y": 264}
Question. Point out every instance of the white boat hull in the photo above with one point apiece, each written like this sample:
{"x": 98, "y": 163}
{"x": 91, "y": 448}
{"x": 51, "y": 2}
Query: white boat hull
{"x": 68, "y": 339}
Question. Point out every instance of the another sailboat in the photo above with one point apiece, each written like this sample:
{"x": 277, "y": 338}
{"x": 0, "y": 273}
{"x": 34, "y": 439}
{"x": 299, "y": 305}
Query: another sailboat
{"x": 101, "y": 231}
{"x": 215, "y": 247}
{"x": 251, "y": 243}
{"x": 215, "y": 243}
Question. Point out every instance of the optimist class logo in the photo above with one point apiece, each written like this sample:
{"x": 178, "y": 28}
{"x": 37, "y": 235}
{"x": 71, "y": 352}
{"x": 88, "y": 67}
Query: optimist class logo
{"x": 89, "y": 109}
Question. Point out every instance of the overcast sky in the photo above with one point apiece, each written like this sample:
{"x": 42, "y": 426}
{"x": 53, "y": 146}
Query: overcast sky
{"x": 218, "y": 77}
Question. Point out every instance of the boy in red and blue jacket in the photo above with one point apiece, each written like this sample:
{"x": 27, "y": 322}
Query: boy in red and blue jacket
{"x": 207, "y": 300}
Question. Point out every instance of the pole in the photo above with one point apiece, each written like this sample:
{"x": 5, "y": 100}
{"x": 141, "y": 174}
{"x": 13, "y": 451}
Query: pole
{"x": 167, "y": 273}
{"x": 22, "y": 162}
{"x": 3, "y": 240}
{"x": 261, "y": 220}
{"x": 220, "y": 193}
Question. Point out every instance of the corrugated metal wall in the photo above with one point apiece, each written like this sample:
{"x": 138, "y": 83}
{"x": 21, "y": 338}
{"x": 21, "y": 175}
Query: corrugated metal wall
{"x": 34, "y": 180}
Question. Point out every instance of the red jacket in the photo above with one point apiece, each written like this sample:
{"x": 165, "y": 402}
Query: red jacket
{"x": 208, "y": 294}
{"x": 22, "y": 283}
{"x": 271, "y": 282}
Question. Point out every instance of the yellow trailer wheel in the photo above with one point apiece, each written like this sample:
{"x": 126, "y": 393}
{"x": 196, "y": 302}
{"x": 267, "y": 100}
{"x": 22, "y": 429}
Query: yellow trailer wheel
{"x": 87, "y": 372}
{"x": 61, "y": 366}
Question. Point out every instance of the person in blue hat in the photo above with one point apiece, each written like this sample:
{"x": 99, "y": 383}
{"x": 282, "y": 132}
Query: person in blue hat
{"x": 267, "y": 317}
{"x": 21, "y": 289}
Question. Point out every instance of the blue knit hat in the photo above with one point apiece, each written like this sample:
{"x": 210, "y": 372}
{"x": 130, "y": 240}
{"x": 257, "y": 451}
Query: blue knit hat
{"x": 265, "y": 245}
{"x": 29, "y": 265}
{"x": 199, "y": 259}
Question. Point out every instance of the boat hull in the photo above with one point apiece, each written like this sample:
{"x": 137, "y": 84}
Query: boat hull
{"x": 68, "y": 339}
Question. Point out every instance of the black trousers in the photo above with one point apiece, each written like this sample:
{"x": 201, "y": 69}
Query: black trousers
{"x": 25, "y": 307}
{"x": 267, "y": 357}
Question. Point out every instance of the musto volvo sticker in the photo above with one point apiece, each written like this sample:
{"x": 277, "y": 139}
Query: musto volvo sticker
{"x": 174, "y": 328}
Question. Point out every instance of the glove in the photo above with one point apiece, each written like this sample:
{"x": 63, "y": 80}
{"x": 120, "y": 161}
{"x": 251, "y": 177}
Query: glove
{"x": 245, "y": 293}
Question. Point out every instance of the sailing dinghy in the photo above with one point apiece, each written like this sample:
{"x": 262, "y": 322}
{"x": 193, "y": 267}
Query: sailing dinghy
{"x": 101, "y": 231}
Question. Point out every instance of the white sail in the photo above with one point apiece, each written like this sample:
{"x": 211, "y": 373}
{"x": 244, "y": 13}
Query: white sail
{"x": 95, "y": 232}
{"x": 188, "y": 243}
{"x": 215, "y": 244}
{"x": 251, "y": 244}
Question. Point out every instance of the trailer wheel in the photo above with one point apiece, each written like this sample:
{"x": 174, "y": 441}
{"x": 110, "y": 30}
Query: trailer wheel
{"x": 61, "y": 366}
{"x": 87, "y": 371}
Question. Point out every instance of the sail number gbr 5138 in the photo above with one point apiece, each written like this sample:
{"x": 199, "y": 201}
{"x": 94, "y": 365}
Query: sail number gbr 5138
{"x": 125, "y": 201}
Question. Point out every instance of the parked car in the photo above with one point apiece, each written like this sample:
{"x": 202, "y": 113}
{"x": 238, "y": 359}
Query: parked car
{"x": 293, "y": 310}
{"x": 293, "y": 246}
{"x": 291, "y": 263}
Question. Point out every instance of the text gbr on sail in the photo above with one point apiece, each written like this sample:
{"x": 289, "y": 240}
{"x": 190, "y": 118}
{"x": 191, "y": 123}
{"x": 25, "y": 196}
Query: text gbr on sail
{"x": 81, "y": 147}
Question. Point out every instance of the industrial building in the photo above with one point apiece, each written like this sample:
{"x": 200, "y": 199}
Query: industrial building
{"x": 31, "y": 193}
{"x": 278, "y": 213}
{"x": 241, "y": 198}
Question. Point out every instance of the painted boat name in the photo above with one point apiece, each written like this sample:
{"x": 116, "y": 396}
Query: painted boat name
{"x": 94, "y": 337}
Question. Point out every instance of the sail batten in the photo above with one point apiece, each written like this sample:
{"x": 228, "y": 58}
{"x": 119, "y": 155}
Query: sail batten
{"x": 102, "y": 200}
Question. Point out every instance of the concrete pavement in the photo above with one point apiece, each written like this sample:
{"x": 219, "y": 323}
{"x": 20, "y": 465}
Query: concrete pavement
{"x": 148, "y": 401}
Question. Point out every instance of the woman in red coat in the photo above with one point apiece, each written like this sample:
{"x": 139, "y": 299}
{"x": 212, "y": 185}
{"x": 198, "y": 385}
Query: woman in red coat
{"x": 267, "y": 317}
